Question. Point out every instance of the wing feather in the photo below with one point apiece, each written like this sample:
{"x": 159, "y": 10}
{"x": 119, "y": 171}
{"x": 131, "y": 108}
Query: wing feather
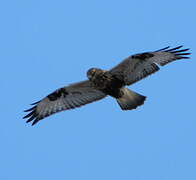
{"x": 139, "y": 66}
{"x": 65, "y": 98}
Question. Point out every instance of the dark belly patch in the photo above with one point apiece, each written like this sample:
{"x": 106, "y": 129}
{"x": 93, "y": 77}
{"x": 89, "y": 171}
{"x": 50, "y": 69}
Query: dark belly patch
{"x": 108, "y": 84}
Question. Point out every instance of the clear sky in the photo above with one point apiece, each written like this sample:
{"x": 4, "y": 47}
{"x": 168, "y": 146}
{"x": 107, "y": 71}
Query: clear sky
{"x": 47, "y": 44}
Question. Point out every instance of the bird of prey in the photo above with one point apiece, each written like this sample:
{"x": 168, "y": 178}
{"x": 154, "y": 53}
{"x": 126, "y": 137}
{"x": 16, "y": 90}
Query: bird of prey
{"x": 102, "y": 83}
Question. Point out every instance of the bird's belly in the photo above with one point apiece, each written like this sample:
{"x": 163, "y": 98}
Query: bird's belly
{"x": 114, "y": 92}
{"x": 110, "y": 86}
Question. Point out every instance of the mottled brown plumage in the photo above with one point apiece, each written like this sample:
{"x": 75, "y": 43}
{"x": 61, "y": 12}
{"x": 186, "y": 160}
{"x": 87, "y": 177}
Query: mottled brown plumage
{"x": 105, "y": 82}
{"x": 101, "y": 83}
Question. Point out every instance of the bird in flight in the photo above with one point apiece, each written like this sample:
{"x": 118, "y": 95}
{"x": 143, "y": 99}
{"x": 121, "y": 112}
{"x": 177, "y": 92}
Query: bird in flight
{"x": 102, "y": 83}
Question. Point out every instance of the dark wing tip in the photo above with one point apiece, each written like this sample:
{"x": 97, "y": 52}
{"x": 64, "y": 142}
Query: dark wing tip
{"x": 162, "y": 49}
{"x": 180, "y": 53}
{"x": 177, "y": 51}
{"x": 30, "y": 109}
{"x": 35, "y": 103}
{"x": 170, "y": 50}
{"x": 36, "y": 120}
{"x": 32, "y": 115}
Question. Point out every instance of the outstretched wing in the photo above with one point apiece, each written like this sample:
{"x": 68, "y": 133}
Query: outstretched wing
{"x": 139, "y": 66}
{"x": 68, "y": 97}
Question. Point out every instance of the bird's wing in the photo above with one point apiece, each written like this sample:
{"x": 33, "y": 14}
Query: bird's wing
{"x": 69, "y": 97}
{"x": 139, "y": 66}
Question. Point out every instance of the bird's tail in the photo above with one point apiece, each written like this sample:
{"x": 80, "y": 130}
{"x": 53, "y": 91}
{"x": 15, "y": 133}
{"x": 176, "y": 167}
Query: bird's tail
{"x": 130, "y": 99}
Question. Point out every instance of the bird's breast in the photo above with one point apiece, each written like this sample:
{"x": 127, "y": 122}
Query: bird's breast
{"x": 107, "y": 83}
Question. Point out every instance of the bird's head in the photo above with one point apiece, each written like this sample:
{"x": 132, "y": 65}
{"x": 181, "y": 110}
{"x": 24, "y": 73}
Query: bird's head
{"x": 93, "y": 72}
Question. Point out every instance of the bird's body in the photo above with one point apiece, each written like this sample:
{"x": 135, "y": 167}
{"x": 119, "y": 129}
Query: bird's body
{"x": 101, "y": 83}
{"x": 105, "y": 82}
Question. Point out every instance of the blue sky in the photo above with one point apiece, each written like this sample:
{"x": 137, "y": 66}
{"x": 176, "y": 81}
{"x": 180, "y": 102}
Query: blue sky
{"x": 48, "y": 44}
